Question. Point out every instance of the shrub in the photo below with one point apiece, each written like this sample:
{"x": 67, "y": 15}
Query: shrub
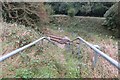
{"x": 99, "y": 10}
{"x": 71, "y": 12}
{"x": 24, "y": 73}
{"x": 49, "y": 9}
{"x": 113, "y": 19}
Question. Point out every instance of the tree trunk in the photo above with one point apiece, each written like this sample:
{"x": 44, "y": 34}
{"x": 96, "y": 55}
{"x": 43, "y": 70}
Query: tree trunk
{"x": 118, "y": 19}
{"x": 43, "y": 14}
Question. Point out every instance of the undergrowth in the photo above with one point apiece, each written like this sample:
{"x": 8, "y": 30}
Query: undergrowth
{"x": 90, "y": 29}
{"x": 48, "y": 60}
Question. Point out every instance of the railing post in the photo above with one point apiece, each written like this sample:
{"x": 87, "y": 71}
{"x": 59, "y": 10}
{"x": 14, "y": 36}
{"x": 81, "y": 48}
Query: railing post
{"x": 42, "y": 41}
{"x": 95, "y": 58}
{"x": 79, "y": 48}
{"x": 68, "y": 47}
{"x": 72, "y": 45}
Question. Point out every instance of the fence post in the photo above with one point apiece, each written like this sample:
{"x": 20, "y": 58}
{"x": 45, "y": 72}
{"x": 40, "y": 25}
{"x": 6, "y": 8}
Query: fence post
{"x": 67, "y": 46}
{"x": 42, "y": 41}
{"x": 95, "y": 58}
{"x": 79, "y": 48}
{"x": 72, "y": 49}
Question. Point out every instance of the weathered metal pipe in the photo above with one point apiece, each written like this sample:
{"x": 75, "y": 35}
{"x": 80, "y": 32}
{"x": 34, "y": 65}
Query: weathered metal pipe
{"x": 112, "y": 61}
{"x": 21, "y": 49}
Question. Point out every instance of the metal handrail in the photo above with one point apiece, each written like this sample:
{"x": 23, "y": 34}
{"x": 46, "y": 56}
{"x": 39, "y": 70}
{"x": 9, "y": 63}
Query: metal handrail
{"x": 22, "y": 48}
{"x": 97, "y": 51}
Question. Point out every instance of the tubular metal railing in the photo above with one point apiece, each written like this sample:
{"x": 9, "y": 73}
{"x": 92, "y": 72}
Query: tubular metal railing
{"x": 97, "y": 51}
{"x": 22, "y": 48}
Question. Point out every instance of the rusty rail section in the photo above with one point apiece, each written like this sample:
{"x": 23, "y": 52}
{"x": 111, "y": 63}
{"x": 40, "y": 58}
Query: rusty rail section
{"x": 59, "y": 39}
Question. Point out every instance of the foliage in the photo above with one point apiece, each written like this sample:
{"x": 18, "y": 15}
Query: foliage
{"x": 82, "y": 8}
{"x": 82, "y": 25}
{"x": 24, "y": 73}
{"x": 99, "y": 10}
{"x": 73, "y": 71}
{"x": 49, "y": 9}
{"x": 63, "y": 8}
{"x": 24, "y": 40}
{"x": 45, "y": 72}
{"x": 112, "y": 19}
{"x": 28, "y": 14}
{"x": 71, "y": 12}
{"x": 59, "y": 7}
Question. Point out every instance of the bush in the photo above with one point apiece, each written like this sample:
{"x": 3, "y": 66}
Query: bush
{"x": 82, "y": 9}
{"x": 49, "y": 9}
{"x": 99, "y": 10}
{"x": 24, "y": 73}
{"x": 71, "y": 12}
{"x": 113, "y": 19}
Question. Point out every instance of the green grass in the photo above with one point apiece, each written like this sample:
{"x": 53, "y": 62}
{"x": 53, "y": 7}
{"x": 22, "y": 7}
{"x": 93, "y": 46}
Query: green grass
{"x": 35, "y": 62}
{"x": 82, "y": 26}
{"x": 91, "y": 30}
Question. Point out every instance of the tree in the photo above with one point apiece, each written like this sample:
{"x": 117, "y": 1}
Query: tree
{"x": 112, "y": 21}
{"x": 82, "y": 8}
{"x": 99, "y": 10}
{"x": 29, "y": 14}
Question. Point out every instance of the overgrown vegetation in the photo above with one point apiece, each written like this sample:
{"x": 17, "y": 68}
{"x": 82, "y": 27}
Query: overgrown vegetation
{"x": 113, "y": 19}
{"x": 71, "y": 12}
{"x": 37, "y": 61}
{"x": 48, "y": 60}
{"x": 28, "y": 14}
{"x": 37, "y": 15}
{"x": 82, "y": 8}
{"x": 89, "y": 28}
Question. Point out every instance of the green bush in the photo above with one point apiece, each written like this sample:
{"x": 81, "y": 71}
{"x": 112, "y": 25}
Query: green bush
{"x": 71, "y": 12}
{"x": 49, "y": 9}
{"x": 82, "y": 9}
{"x": 113, "y": 19}
{"x": 99, "y": 10}
{"x": 24, "y": 73}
